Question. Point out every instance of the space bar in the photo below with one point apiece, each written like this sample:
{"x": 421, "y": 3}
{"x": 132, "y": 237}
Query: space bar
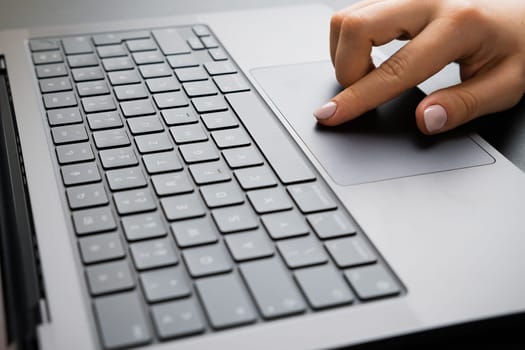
{"x": 280, "y": 151}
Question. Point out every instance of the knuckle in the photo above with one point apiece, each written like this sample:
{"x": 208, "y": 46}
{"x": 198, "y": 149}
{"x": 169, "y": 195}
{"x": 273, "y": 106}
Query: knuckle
{"x": 352, "y": 23}
{"x": 466, "y": 11}
{"x": 469, "y": 102}
{"x": 336, "y": 21}
{"x": 394, "y": 69}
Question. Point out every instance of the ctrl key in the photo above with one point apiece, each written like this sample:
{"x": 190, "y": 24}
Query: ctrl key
{"x": 121, "y": 321}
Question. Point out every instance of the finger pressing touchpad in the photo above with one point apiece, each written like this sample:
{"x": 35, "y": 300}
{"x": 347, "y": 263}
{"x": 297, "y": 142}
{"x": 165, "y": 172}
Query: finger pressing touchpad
{"x": 383, "y": 144}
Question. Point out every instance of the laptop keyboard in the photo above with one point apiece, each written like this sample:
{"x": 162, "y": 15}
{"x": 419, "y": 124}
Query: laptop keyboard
{"x": 194, "y": 211}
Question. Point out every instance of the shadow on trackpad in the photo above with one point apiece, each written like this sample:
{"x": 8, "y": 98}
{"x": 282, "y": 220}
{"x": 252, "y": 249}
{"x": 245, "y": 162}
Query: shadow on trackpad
{"x": 382, "y": 144}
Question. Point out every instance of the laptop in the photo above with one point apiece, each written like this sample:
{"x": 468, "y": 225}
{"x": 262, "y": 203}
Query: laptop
{"x": 165, "y": 185}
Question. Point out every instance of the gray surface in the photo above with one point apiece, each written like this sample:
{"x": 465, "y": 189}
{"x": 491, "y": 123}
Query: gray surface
{"x": 381, "y": 145}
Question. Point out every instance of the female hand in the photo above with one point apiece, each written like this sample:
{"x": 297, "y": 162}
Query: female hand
{"x": 486, "y": 37}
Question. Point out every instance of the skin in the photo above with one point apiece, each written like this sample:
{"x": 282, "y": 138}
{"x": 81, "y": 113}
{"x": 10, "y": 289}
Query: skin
{"x": 486, "y": 37}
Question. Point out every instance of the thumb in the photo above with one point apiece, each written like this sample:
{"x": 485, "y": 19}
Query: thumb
{"x": 491, "y": 91}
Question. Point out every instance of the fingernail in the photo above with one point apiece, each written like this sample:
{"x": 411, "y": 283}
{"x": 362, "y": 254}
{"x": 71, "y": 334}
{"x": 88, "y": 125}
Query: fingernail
{"x": 435, "y": 117}
{"x": 326, "y": 111}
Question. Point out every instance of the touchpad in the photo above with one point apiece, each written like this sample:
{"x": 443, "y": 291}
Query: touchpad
{"x": 382, "y": 144}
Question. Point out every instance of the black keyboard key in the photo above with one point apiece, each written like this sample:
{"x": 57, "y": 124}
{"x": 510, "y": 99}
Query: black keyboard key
{"x": 208, "y": 173}
{"x": 324, "y": 287}
{"x": 164, "y": 284}
{"x": 226, "y": 302}
{"x": 153, "y": 253}
{"x": 163, "y": 84}
{"x": 87, "y": 74}
{"x": 269, "y": 200}
{"x": 179, "y": 116}
{"x": 85, "y": 196}
{"x": 194, "y": 232}
{"x": 98, "y": 104}
{"x": 153, "y": 143}
{"x": 200, "y": 88}
{"x": 170, "y": 100}
{"x": 143, "y": 226}
{"x": 60, "y": 100}
{"x": 230, "y": 138}
{"x": 124, "y": 179}
{"x": 148, "y": 57}
{"x": 177, "y": 319}
{"x": 370, "y": 282}
{"x": 331, "y": 224}
{"x": 285, "y": 225}
{"x": 301, "y": 252}
{"x": 102, "y": 247}
{"x": 64, "y": 116}
{"x": 171, "y": 183}
{"x": 290, "y": 166}
{"x": 109, "y": 277}
{"x": 130, "y": 92}
{"x": 220, "y": 120}
{"x": 145, "y": 125}
{"x": 255, "y": 177}
{"x": 137, "y": 108}
{"x": 249, "y": 245}
{"x": 209, "y": 104}
{"x": 134, "y": 201}
{"x": 77, "y": 45}
{"x": 191, "y": 74}
{"x": 117, "y": 63}
{"x": 74, "y": 153}
{"x": 119, "y": 157}
{"x": 124, "y": 77}
{"x": 86, "y": 60}
{"x": 207, "y": 260}
{"x": 104, "y": 120}
{"x": 111, "y": 51}
{"x": 111, "y": 138}
{"x": 79, "y": 174}
{"x": 233, "y": 219}
{"x": 170, "y": 41}
{"x": 51, "y": 70}
{"x": 162, "y": 162}
{"x": 93, "y": 220}
{"x": 231, "y": 83}
{"x": 92, "y": 88}
{"x": 69, "y": 134}
{"x": 220, "y": 67}
{"x": 183, "y": 61}
{"x": 222, "y": 194}
{"x": 156, "y": 70}
{"x": 311, "y": 197}
{"x": 141, "y": 45}
{"x": 199, "y": 152}
{"x": 117, "y": 38}
{"x": 55, "y": 85}
{"x": 121, "y": 320}
{"x": 37, "y": 45}
{"x": 242, "y": 157}
{"x": 276, "y": 299}
{"x": 350, "y": 251}
{"x": 188, "y": 133}
{"x": 184, "y": 206}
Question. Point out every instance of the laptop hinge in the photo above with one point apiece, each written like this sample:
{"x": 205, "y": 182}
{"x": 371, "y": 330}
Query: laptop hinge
{"x": 21, "y": 278}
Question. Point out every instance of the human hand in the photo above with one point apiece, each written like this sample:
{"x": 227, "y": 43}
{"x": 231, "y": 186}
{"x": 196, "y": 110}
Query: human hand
{"x": 486, "y": 38}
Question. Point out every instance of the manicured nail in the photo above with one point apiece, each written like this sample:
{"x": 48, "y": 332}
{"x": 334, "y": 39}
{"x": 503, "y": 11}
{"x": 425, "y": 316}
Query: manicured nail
{"x": 435, "y": 117}
{"x": 326, "y": 111}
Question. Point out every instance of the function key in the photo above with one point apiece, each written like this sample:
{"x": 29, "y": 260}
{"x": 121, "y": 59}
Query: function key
{"x": 80, "y": 174}
{"x": 47, "y": 57}
{"x": 98, "y": 104}
{"x": 93, "y": 220}
{"x": 77, "y": 45}
{"x": 143, "y": 226}
{"x": 80, "y": 197}
{"x": 119, "y": 157}
{"x": 43, "y": 44}
{"x": 60, "y": 100}
{"x": 69, "y": 134}
{"x": 124, "y": 179}
{"x": 111, "y": 138}
{"x": 153, "y": 253}
{"x": 74, "y": 153}
{"x": 104, "y": 120}
{"x": 86, "y": 74}
{"x": 134, "y": 201}
{"x": 92, "y": 88}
